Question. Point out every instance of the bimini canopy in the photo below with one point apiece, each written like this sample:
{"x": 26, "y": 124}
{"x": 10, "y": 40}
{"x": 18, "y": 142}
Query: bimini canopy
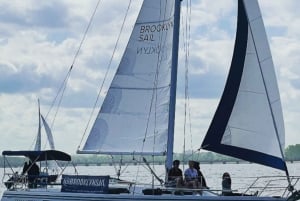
{"x": 40, "y": 155}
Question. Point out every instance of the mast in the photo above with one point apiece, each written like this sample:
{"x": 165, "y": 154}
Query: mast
{"x": 173, "y": 87}
{"x": 38, "y": 138}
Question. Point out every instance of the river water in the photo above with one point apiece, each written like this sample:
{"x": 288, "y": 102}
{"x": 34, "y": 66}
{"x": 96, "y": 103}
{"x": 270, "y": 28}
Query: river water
{"x": 242, "y": 174}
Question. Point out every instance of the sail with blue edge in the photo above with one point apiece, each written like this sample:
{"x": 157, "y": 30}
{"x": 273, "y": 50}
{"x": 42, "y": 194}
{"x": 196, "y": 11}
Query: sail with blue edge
{"x": 248, "y": 123}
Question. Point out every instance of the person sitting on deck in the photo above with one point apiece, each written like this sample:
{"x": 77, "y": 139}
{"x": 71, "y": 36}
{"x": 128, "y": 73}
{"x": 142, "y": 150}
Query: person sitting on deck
{"x": 175, "y": 175}
{"x": 25, "y": 168}
{"x": 226, "y": 184}
{"x": 201, "y": 179}
{"x": 191, "y": 176}
{"x": 33, "y": 172}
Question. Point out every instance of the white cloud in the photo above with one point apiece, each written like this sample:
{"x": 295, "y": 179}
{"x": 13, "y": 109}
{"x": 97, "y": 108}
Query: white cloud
{"x": 199, "y": 115}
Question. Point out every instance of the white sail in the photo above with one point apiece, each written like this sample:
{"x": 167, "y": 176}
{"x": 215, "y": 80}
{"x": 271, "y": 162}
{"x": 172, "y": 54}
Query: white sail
{"x": 135, "y": 113}
{"x": 251, "y": 124}
{"x": 38, "y": 145}
{"x": 48, "y": 132}
{"x": 248, "y": 123}
{"x": 38, "y": 142}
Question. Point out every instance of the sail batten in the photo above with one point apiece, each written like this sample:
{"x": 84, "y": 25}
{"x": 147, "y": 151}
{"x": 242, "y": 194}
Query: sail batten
{"x": 248, "y": 123}
{"x": 140, "y": 88}
{"x": 166, "y": 26}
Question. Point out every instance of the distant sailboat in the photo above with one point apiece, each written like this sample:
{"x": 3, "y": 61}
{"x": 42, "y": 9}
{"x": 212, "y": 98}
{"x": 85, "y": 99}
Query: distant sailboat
{"x": 42, "y": 121}
{"x": 138, "y": 112}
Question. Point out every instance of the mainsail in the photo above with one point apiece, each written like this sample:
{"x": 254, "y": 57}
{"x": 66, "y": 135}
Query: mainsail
{"x": 248, "y": 123}
{"x": 134, "y": 117}
{"x": 48, "y": 132}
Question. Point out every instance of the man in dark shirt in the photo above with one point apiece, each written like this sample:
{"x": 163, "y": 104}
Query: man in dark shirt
{"x": 33, "y": 174}
{"x": 175, "y": 174}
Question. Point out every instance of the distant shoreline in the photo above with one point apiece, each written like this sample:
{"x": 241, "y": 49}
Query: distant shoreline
{"x": 292, "y": 154}
{"x": 20, "y": 161}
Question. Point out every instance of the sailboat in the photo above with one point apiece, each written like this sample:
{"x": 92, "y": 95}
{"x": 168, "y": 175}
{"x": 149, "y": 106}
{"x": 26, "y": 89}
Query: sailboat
{"x": 51, "y": 167}
{"x": 138, "y": 112}
{"x": 47, "y": 171}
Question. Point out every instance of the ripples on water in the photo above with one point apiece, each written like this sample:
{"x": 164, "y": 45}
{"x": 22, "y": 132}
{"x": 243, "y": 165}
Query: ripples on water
{"x": 242, "y": 174}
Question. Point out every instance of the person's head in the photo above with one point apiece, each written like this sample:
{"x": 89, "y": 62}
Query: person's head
{"x": 191, "y": 164}
{"x": 176, "y": 163}
{"x": 196, "y": 165}
{"x": 226, "y": 175}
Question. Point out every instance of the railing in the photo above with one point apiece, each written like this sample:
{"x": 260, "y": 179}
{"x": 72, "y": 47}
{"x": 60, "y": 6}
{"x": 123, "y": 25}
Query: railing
{"x": 272, "y": 185}
{"x": 15, "y": 181}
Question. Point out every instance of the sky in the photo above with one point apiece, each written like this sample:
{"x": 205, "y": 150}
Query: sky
{"x": 39, "y": 40}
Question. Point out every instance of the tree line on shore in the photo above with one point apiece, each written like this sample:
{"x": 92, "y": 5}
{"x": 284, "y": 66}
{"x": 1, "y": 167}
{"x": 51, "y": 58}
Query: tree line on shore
{"x": 292, "y": 153}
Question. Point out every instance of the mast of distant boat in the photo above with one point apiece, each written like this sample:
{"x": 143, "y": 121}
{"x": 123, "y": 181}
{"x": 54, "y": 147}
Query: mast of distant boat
{"x": 38, "y": 138}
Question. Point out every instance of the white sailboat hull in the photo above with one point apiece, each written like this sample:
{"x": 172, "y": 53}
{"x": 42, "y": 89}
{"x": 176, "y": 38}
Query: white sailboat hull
{"x": 36, "y": 195}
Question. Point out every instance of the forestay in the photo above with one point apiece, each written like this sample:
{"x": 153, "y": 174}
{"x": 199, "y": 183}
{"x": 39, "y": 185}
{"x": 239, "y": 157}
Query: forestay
{"x": 248, "y": 123}
{"x": 135, "y": 112}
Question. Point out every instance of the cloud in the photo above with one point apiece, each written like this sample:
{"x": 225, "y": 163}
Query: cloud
{"x": 199, "y": 114}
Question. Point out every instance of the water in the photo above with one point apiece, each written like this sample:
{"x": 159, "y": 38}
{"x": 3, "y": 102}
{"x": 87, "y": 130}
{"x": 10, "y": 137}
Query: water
{"x": 242, "y": 174}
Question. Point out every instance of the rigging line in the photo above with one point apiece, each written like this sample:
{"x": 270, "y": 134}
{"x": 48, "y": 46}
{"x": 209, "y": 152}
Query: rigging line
{"x": 65, "y": 81}
{"x": 162, "y": 38}
{"x": 188, "y": 64}
{"x": 113, "y": 161}
{"x": 124, "y": 169}
{"x": 184, "y": 49}
{"x": 120, "y": 167}
{"x": 149, "y": 115}
{"x": 186, "y": 46}
{"x": 158, "y": 67}
{"x": 186, "y": 71}
{"x": 106, "y": 73}
{"x": 59, "y": 91}
{"x": 154, "y": 94}
{"x": 85, "y": 33}
{"x": 186, "y": 37}
{"x": 60, "y": 101}
{"x": 118, "y": 171}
